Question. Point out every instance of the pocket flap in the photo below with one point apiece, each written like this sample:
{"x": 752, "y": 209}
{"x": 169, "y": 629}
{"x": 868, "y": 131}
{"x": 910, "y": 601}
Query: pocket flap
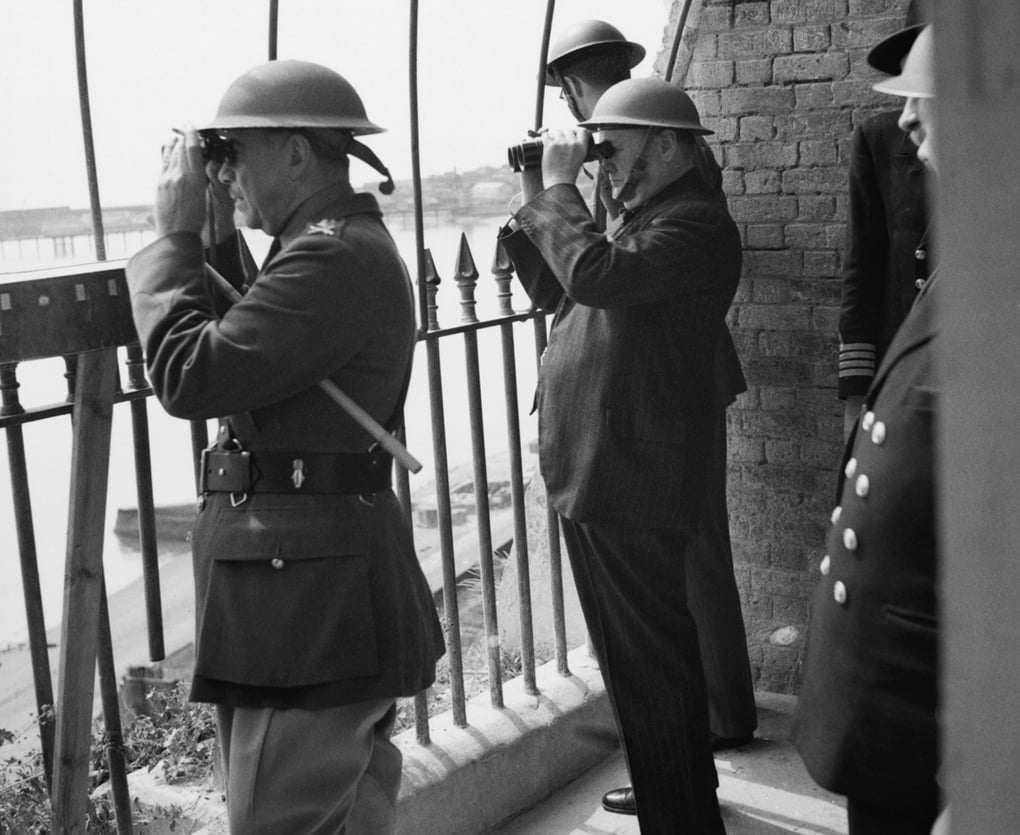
{"x": 289, "y": 534}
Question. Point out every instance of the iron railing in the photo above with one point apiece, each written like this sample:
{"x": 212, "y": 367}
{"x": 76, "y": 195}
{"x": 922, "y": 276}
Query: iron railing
{"x": 90, "y": 344}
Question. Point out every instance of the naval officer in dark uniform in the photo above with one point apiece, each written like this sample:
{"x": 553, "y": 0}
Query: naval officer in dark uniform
{"x": 867, "y": 718}
{"x": 312, "y": 612}
{"x": 888, "y": 253}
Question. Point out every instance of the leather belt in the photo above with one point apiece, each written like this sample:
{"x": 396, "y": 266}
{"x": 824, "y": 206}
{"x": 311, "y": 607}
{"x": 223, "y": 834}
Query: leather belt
{"x": 241, "y": 471}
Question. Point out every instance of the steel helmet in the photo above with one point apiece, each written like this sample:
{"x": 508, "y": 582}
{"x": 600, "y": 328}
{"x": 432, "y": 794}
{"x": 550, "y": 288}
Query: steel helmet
{"x": 292, "y": 94}
{"x": 585, "y": 35}
{"x": 645, "y": 102}
{"x": 917, "y": 78}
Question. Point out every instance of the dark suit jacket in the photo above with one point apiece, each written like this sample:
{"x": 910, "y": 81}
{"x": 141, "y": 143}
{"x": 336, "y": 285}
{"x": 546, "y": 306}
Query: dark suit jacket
{"x": 886, "y": 223}
{"x": 302, "y": 600}
{"x": 866, "y": 720}
{"x": 629, "y": 386}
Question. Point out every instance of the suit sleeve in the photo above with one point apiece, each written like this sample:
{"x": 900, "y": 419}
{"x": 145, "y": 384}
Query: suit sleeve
{"x": 299, "y": 323}
{"x": 864, "y": 263}
{"x": 677, "y": 253}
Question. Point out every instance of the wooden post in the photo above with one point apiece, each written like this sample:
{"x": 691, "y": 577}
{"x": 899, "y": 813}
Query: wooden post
{"x": 83, "y": 580}
{"x": 978, "y": 250}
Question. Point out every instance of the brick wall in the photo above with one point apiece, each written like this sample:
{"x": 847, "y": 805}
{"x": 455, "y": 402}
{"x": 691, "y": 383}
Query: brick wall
{"x": 782, "y": 83}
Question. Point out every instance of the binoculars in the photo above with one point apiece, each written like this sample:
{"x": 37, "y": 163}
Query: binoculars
{"x": 528, "y": 155}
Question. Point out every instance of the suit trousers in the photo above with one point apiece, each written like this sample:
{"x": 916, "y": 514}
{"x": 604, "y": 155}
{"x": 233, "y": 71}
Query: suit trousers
{"x": 631, "y": 584}
{"x": 868, "y": 819}
{"x": 714, "y": 602}
{"x": 331, "y": 771}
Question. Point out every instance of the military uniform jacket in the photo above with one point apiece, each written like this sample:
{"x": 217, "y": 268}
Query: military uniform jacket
{"x": 301, "y": 599}
{"x": 886, "y": 250}
{"x": 866, "y": 720}
{"x": 629, "y": 388}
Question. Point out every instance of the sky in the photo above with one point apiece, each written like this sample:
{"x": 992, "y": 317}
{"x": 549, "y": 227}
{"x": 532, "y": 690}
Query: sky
{"x": 155, "y": 65}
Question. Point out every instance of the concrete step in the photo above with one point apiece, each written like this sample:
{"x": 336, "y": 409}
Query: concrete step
{"x": 763, "y": 790}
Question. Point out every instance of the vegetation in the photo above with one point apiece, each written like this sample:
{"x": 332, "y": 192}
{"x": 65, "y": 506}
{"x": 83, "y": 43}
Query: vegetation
{"x": 178, "y": 734}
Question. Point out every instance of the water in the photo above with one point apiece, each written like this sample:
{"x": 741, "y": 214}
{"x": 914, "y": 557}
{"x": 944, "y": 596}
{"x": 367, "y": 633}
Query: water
{"x": 48, "y": 443}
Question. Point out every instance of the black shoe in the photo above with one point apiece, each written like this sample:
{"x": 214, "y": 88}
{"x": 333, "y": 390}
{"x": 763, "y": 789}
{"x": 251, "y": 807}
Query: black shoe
{"x": 721, "y": 743}
{"x": 620, "y": 801}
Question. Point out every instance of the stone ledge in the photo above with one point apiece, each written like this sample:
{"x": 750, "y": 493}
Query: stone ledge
{"x": 471, "y": 779}
{"x": 467, "y": 780}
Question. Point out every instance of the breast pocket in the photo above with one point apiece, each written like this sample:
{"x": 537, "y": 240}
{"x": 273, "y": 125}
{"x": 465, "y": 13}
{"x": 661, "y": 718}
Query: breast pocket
{"x": 289, "y": 598}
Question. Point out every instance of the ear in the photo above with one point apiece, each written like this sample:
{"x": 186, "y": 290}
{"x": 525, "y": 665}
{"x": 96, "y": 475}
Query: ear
{"x": 298, "y": 154}
{"x": 571, "y": 85}
{"x": 668, "y": 144}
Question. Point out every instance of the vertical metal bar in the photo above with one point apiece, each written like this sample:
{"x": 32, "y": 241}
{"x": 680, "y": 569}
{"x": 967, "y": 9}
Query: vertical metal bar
{"x": 419, "y": 230}
{"x": 466, "y": 276}
{"x": 421, "y": 702}
{"x": 543, "y": 55}
{"x": 513, "y": 427}
{"x": 481, "y": 485}
{"x": 553, "y": 528}
{"x": 274, "y": 27}
{"x": 451, "y": 608}
{"x": 146, "y": 508}
{"x": 35, "y": 617}
{"x": 678, "y": 35}
{"x": 90, "y": 460}
{"x": 86, "y": 131}
{"x": 111, "y": 719}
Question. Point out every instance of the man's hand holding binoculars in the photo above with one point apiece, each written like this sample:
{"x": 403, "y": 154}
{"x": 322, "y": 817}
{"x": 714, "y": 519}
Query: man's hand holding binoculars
{"x": 185, "y": 182}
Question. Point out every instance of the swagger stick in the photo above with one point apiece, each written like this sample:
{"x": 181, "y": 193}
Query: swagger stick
{"x": 336, "y": 394}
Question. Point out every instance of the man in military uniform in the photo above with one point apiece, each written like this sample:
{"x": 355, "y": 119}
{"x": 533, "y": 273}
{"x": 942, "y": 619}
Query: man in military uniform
{"x": 312, "y": 612}
{"x": 888, "y": 253}
{"x": 629, "y": 403}
{"x": 585, "y": 61}
{"x": 867, "y": 718}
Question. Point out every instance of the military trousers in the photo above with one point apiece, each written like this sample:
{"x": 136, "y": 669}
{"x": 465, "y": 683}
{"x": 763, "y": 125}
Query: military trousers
{"x": 631, "y": 584}
{"x": 332, "y": 771}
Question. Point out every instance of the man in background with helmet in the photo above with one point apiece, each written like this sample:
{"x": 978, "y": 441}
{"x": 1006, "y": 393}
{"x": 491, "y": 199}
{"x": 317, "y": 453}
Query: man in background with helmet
{"x": 867, "y": 716}
{"x": 312, "y": 611}
{"x": 585, "y": 61}
{"x": 629, "y": 403}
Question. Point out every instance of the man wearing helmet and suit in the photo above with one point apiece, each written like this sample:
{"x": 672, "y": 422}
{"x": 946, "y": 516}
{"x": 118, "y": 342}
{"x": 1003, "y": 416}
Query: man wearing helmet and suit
{"x": 867, "y": 717}
{"x": 628, "y": 402}
{"x": 584, "y": 61}
{"x": 312, "y": 611}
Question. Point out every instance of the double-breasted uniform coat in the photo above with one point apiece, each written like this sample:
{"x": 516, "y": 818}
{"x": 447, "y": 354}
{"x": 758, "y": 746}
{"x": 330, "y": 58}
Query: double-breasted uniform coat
{"x": 304, "y": 599}
{"x": 629, "y": 396}
{"x": 887, "y": 254}
{"x": 866, "y": 724}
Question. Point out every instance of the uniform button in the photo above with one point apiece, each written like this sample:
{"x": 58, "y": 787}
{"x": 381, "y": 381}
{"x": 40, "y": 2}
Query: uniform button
{"x": 839, "y": 592}
{"x": 825, "y": 565}
{"x": 878, "y": 433}
{"x": 850, "y": 539}
{"x": 837, "y": 511}
{"x": 867, "y": 421}
{"x": 862, "y": 485}
{"x": 277, "y": 563}
{"x": 920, "y": 255}
{"x": 851, "y": 468}
{"x": 919, "y": 283}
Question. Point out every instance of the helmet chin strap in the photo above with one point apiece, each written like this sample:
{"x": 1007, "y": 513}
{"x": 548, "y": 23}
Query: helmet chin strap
{"x": 367, "y": 156}
{"x": 637, "y": 170}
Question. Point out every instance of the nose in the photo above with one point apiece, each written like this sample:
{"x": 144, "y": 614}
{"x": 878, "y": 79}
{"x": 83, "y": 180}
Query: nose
{"x": 226, "y": 173}
{"x": 909, "y": 120}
